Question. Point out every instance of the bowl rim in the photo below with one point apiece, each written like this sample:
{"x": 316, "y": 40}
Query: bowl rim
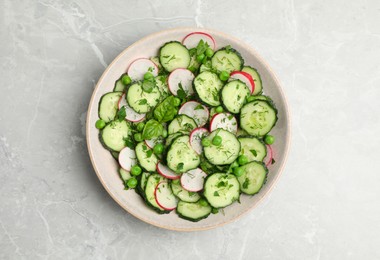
{"x": 287, "y": 114}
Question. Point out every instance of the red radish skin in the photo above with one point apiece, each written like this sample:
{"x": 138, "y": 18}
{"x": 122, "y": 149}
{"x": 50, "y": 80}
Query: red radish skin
{"x": 195, "y": 141}
{"x": 127, "y": 158}
{"x": 162, "y": 199}
{"x": 217, "y": 122}
{"x": 139, "y": 67}
{"x": 166, "y": 172}
{"x": 193, "y": 180}
{"x": 131, "y": 115}
{"x": 200, "y": 116}
{"x": 268, "y": 159}
{"x": 192, "y": 39}
{"x": 183, "y": 76}
{"x": 245, "y": 77}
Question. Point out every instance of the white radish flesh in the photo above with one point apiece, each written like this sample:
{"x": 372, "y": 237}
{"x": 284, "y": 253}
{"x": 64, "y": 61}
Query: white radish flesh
{"x": 166, "y": 172}
{"x": 191, "y": 40}
{"x": 127, "y": 158}
{"x": 193, "y": 180}
{"x": 196, "y": 139}
{"x": 224, "y": 121}
{"x": 181, "y": 80}
{"x": 196, "y": 111}
{"x": 139, "y": 67}
{"x": 164, "y": 196}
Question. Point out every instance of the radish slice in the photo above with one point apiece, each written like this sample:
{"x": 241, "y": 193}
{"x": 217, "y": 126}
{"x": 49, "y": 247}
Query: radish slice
{"x": 191, "y": 40}
{"x": 181, "y": 78}
{"x": 131, "y": 115}
{"x": 193, "y": 180}
{"x": 152, "y": 142}
{"x": 245, "y": 77}
{"x": 196, "y": 111}
{"x": 268, "y": 159}
{"x": 196, "y": 139}
{"x": 166, "y": 172}
{"x": 164, "y": 196}
{"x": 225, "y": 121}
{"x": 139, "y": 67}
{"x": 127, "y": 158}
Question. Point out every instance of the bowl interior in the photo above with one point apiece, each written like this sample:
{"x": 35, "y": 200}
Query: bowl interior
{"x": 107, "y": 168}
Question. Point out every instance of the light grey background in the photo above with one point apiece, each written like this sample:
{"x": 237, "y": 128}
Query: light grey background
{"x": 326, "y": 204}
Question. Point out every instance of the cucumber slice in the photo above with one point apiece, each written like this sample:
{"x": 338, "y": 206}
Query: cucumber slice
{"x": 193, "y": 211}
{"x": 258, "y": 118}
{"x": 171, "y": 138}
{"x": 173, "y": 55}
{"x": 162, "y": 85}
{"x": 253, "y": 148}
{"x": 227, "y": 59}
{"x": 119, "y": 86}
{"x": 181, "y": 157}
{"x": 124, "y": 175}
{"x": 114, "y": 134}
{"x": 221, "y": 189}
{"x": 234, "y": 95}
{"x": 151, "y": 184}
{"x": 253, "y": 178}
{"x": 226, "y": 152}
{"x": 182, "y": 124}
{"x": 147, "y": 159}
{"x": 183, "y": 194}
{"x": 142, "y": 180}
{"x": 256, "y": 78}
{"x": 141, "y": 101}
{"x": 208, "y": 85}
{"x": 108, "y": 106}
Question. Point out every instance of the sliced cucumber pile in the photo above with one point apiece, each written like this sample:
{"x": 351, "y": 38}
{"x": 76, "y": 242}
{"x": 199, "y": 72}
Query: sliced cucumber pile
{"x": 189, "y": 127}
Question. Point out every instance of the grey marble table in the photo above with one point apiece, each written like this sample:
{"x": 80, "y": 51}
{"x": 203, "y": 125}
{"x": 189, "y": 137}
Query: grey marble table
{"x": 326, "y": 204}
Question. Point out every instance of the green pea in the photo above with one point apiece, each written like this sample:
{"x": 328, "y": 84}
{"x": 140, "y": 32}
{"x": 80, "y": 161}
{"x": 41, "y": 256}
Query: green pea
{"x": 206, "y": 142}
{"x": 136, "y": 170}
{"x": 269, "y": 139}
{"x": 234, "y": 164}
{"x": 100, "y": 124}
{"x": 132, "y": 183}
{"x": 214, "y": 211}
{"x": 238, "y": 171}
{"x": 242, "y": 160}
{"x": 140, "y": 126}
{"x": 219, "y": 109}
{"x": 177, "y": 102}
{"x": 164, "y": 133}
{"x": 138, "y": 137}
{"x": 251, "y": 98}
{"x": 209, "y": 52}
{"x": 158, "y": 148}
{"x": 200, "y": 57}
{"x": 217, "y": 140}
{"x": 224, "y": 76}
{"x": 148, "y": 76}
{"x": 203, "y": 202}
{"x": 126, "y": 80}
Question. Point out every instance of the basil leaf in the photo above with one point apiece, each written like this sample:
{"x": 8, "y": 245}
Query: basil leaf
{"x": 165, "y": 111}
{"x": 152, "y": 129}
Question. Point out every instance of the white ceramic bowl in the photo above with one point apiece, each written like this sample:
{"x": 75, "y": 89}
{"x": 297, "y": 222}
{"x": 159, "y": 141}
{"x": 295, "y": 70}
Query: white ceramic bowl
{"x": 107, "y": 168}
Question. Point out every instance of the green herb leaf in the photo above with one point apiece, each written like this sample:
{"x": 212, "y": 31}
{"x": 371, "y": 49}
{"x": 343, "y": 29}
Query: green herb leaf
{"x": 143, "y": 101}
{"x": 152, "y": 129}
{"x": 180, "y": 92}
{"x": 253, "y": 152}
{"x": 121, "y": 114}
{"x": 166, "y": 111}
{"x": 129, "y": 143}
{"x": 216, "y": 194}
{"x": 198, "y": 107}
{"x": 246, "y": 183}
{"x": 202, "y": 47}
{"x": 273, "y": 161}
{"x": 221, "y": 184}
{"x": 149, "y": 153}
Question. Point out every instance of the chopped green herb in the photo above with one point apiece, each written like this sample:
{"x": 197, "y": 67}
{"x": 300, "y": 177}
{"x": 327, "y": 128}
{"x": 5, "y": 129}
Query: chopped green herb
{"x": 216, "y": 194}
{"x": 253, "y": 152}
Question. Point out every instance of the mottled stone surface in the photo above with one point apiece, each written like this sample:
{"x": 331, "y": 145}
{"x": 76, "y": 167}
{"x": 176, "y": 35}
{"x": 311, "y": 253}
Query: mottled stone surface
{"x": 326, "y": 204}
